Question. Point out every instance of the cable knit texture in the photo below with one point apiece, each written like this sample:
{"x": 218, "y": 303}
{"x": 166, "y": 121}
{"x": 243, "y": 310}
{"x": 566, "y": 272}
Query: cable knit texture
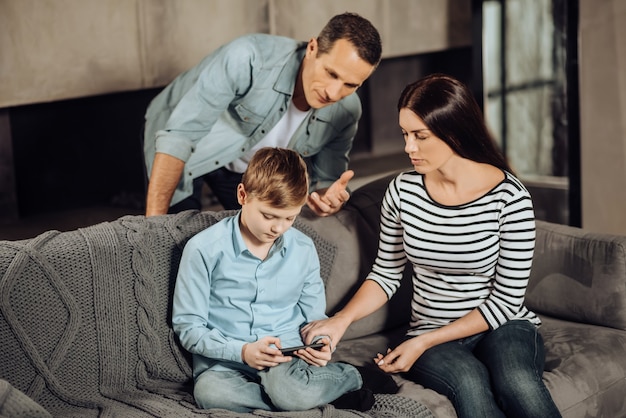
{"x": 85, "y": 326}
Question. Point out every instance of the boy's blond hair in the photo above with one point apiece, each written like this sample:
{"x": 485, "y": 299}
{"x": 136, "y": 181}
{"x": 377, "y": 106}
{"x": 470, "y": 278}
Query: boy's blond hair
{"x": 277, "y": 176}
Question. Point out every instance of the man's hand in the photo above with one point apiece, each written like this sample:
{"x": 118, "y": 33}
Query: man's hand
{"x": 325, "y": 202}
{"x": 260, "y": 355}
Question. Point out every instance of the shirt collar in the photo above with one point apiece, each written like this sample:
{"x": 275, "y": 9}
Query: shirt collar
{"x": 286, "y": 81}
{"x": 239, "y": 246}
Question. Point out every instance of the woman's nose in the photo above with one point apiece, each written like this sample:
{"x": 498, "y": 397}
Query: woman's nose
{"x": 410, "y": 146}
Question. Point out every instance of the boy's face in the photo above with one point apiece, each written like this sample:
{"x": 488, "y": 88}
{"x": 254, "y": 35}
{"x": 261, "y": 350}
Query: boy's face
{"x": 262, "y": 223}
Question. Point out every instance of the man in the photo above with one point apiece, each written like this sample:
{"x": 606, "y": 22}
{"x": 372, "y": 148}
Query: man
{"x": 261, "y": 90}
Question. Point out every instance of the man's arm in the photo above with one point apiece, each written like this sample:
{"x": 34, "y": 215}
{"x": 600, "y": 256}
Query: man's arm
{"x": 166, "y": 173}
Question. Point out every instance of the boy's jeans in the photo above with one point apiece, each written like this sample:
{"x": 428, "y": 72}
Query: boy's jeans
{"x": 492, "y": 374}
{"x": 291, "y": 386}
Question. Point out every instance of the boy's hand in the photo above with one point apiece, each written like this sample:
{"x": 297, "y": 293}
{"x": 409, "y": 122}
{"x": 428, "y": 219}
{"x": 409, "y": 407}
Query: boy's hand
{"x": 260, "y": 355}
{"x": 316, "y": 357}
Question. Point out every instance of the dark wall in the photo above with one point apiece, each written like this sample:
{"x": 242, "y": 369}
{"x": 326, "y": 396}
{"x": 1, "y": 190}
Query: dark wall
{"x": 79, "y": 153}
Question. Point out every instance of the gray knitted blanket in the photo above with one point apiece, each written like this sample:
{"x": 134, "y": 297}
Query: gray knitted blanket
{"x": 85, "y": 323}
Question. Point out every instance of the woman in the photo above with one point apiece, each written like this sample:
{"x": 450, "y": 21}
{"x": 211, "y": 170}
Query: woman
{"x": 467, "y": 226}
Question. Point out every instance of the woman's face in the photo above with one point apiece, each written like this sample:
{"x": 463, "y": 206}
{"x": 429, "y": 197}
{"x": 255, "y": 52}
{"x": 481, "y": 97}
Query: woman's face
{"x": 426, "y": 151}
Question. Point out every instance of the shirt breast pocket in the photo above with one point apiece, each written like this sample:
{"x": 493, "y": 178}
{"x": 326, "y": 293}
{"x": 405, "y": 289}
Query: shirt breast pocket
{"x": 245, "y": 120}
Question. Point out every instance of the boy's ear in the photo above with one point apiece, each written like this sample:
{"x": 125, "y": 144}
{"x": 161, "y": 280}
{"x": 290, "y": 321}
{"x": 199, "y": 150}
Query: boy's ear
{"x": 241, "y": 194}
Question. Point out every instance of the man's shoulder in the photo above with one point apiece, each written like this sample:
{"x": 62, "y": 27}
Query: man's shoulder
{"x": 265, "y": 43}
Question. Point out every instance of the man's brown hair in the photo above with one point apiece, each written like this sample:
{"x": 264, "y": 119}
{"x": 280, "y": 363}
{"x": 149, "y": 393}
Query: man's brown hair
{"x": 358, "y": 31}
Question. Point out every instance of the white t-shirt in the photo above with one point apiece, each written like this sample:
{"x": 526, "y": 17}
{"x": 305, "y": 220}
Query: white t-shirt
{"x": 279, "y": 136}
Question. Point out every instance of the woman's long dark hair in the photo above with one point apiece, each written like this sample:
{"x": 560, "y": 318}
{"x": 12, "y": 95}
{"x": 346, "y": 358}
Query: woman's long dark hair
{"x": 451, "y": 112}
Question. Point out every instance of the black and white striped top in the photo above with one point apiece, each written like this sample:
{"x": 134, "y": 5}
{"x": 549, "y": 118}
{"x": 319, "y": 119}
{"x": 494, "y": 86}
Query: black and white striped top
{"x": 475, "y": 255}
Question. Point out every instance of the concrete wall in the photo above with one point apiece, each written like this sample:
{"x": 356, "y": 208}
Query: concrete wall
{"x": 603, "y": 114}
{"x": 59, "y": 49}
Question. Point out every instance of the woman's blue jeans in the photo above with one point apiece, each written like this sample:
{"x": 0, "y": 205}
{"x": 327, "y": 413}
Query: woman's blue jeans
{"x": 493, "y": 374}
{"x": 291, "y": 386}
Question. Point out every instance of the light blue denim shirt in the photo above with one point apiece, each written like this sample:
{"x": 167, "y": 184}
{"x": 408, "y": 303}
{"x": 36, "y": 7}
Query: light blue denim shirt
{"x": 213, "y": 113}
{"x": 225, "y": 296}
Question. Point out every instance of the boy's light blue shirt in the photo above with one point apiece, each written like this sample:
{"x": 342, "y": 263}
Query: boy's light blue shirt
{"x": 226, "y": 297}
{"x": 215, "y": 112}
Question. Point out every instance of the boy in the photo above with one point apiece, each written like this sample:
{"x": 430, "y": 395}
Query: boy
{"x": 245, "y": 287}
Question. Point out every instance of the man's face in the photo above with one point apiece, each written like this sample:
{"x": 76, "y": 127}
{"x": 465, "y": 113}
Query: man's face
{"x": 328, "y": 78}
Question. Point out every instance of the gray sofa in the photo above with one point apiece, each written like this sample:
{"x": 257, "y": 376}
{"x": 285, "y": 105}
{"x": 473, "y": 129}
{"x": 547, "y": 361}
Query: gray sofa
{"x": 85, "y": 317}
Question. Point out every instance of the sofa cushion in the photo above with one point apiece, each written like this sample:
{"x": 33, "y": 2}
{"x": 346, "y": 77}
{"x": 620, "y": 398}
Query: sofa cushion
{"x": 585, "y": 368}
{"x": 85, "y": 316}
{"x": 579, "y": 276}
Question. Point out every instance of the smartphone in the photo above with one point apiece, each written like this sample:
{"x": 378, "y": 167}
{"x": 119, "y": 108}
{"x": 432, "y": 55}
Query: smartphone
{"x": 290, "y": 350}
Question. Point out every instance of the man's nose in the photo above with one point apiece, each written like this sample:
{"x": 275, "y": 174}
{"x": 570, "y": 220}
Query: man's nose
{"x": 334, "y": 91}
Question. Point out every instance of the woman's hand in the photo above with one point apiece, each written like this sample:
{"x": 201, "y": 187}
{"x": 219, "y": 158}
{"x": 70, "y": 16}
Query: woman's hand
{"x": 332, "y": 329}
{"x": 401, "y": 358}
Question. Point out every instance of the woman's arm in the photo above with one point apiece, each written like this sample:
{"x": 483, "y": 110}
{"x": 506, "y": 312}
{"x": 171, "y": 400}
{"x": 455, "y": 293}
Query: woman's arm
{"x": 366, "y": 300}
{"x": 401, "y": 358}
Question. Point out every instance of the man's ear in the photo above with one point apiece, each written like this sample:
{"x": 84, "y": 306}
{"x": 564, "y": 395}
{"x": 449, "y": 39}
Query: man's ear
{"x": 312, "y": 47}
{"x": 241, "y": 194}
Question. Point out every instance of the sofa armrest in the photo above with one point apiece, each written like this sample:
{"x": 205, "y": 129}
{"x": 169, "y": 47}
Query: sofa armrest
{"x": 579, "y": 276}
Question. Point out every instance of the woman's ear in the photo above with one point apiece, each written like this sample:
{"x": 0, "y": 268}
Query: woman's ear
{"x": 241, "y": 194}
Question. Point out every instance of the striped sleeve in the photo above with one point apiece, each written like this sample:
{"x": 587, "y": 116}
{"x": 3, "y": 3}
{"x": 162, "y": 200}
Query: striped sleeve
{"x": 517, "y": 243}
{"x": 390, "y": 261}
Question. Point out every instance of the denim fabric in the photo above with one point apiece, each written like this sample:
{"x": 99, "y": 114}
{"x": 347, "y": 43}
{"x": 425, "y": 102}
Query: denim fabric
{"x": 292, "y": 386}
{"x": 215, "y": 112}
{"x": 493, "y": 374}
